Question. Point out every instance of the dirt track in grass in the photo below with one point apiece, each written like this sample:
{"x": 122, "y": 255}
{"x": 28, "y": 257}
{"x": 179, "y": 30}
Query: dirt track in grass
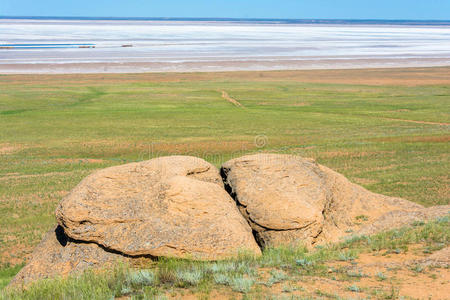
{"x": 231, "y": 100}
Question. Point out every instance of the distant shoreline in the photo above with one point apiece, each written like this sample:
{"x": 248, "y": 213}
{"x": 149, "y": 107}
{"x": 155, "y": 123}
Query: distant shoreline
{"x": 218, "y": 66}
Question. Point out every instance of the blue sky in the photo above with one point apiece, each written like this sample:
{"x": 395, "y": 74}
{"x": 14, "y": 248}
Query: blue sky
{"x": 294, "y": 9}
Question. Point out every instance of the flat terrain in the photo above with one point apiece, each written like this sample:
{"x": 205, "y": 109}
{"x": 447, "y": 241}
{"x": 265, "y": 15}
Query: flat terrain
{"x": 386, "y": 129}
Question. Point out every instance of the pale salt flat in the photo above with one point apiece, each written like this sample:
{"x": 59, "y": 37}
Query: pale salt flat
{"x": 216, "y": 46}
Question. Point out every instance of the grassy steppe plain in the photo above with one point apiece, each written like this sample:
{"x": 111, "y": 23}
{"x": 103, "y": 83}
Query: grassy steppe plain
{"x": 386, "y": 129}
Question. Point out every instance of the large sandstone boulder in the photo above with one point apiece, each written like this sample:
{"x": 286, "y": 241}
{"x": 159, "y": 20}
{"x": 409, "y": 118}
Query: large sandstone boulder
{"x": 170, "y": 206}
{"x": 288, "y": 199}
{"x": 178, "y": 206}
{"x": 57, "y": 255}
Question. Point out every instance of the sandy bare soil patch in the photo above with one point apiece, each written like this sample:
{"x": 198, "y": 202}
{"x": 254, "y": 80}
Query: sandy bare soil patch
{"x": 6, "y": 149}
{"x": 394, "y": 76}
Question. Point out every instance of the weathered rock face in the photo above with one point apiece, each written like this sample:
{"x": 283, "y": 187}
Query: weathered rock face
{"x": 289, "y": 199}
{"x": 282, "y": 197}
{"x": 178, "y": 207}
{"x": 57, "y": 255}
{"x": 170, "y": 206}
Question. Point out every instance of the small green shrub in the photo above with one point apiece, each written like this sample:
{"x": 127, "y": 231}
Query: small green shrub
{"x": 304, "y": 262}
{"x": 241, "y": 284}
{"x": 141, "y": 278}
{"x": 221, "y": 267}
{"x": 418, "y": 223}
{"x": 287, "y": 288}
{"x": 381, "y": 276}
{"x": 346, "y": 256}
{"x": 354, "y": 288}
{"x": 276, "y": 276}
{"x": 223, "y": 279}
{"x": 190, "y": 277}
{"x": 166, "y": 276}
{"x": 362, "y": 218}
{"x": 417, "y": 268}
{"x": 126, "y": 290}
{"x": 355, "y": 274}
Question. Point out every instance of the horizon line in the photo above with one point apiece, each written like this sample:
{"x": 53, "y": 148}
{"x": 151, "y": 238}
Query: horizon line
{"x": 221, "y": 19}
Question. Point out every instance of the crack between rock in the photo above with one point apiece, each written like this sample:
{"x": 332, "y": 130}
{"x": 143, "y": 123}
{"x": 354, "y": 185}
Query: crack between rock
{"x": 106, "y": 222}
{"x": 228, "y": 188}
{"x": 248, "y": 219}
{"x": 276, "y": 229}
{"x": 64, "y": 239}
{"x": 326, "y": 207}
{"x": 198, "y": 171}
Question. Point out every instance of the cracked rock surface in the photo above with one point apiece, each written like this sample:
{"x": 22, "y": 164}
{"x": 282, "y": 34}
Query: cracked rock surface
{"x": 289, "y": 200}
{"x": 181, "y": 206}
{"x": 170, "y": 206}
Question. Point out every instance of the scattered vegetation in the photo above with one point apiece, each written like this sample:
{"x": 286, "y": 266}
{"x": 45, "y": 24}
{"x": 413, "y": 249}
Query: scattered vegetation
{"x": 362, "y": 218}
{"x": 241, "y": 275}
{"x": 55, "y": 130}
{"x": 356, "y": 274}
{"x": 276, "y": 276}
{"x": 381, "y": 276}
{"x": 141, "y": 278}
{"x": 431, "y": 234}
{"x": 241, "y": 284}
{"x": 354, "y": 288}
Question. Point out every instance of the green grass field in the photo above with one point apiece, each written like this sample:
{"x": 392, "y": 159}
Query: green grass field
{"x": 391, "y": 135}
